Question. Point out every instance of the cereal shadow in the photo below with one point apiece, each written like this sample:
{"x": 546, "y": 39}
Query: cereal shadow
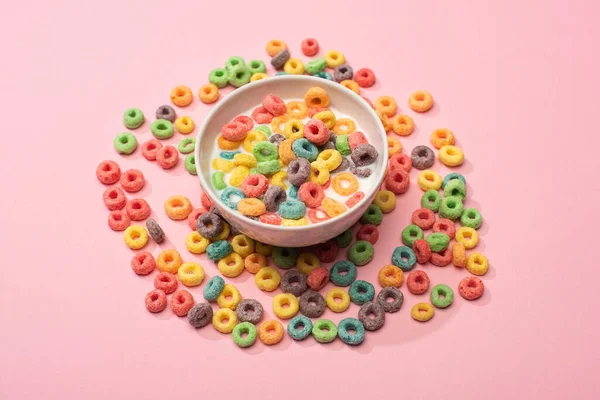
{"x": 483, "y": 300}
{"x": 146, "y": 190}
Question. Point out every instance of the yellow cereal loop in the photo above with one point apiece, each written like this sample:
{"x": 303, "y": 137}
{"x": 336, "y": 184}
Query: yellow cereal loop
{"x": 224, "y": 320}
{"x": 294, "y": 222}
{"x": 331, "y": 157}
{"x": 238, "y": 175}
{"x": 467, "y": 236}
{"x": 294, "y": 129}
{"x": 253, "y": 137}
{"x": 263, "y": 249}
{"x": 333, "y": 58}
{"x": 196, "y": 243}
{"x": 258, "y": 76}
{"x": 386, "y": 105}
{"x": 344, "y": 183}
{"x": 394, "y": 146}
{"x": 294, "y": 66}
{"x": 386, "y": 200}
{"x": 337, "y": 300}
{"x": 190, "y": 274}
{"x": 277, "y": 179}
{"x": 344, "y": 126}
{"x": 477, "y": 264}
{"x": 285, "y": 305}
{"x": 242, "y": 245}
{"x": 278, "y": 123}
{"x": 222, "y": 165}
{"x": 306, "y": 262}
{"x": 231, "y": 265}
{"x": 451, "y": 156}
{"x": 332, "y": 207}
{"x": 246, "y": 160}
{"x": 224, "y": 234}
{"x": 403, "y": 125}
{"x": 286, "y": 154}
{"x": 267, "y": 279}
{"x": 169, "y": 261}
{"x": 184, "y": 125}
{"x": 429, "y": 180}
{"x": 327, "y": 117}
{"x": 230, "y": 297}
{"x": 225, "y": 144}
{"x": 296, "y": 109}
{"x": 385, "y": 121}
{"x": 135, "y": 237}
{"x": 319, "y": 173}
{"x": 350, "y": 84}
{"x": 422, "y": 312}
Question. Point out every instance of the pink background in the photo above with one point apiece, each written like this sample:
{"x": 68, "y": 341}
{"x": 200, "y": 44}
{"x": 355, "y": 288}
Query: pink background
{"x": 514, "y": 80}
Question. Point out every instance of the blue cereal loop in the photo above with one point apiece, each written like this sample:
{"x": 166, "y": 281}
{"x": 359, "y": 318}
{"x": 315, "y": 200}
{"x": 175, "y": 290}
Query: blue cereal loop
{"x": 228, "y": 155}
{"x": 404, "y": 258}
{"x": 293, "y": 192}
{"x": 305, "y": 149}
{"x": 291, "y": 209}
{"x": 213, "y": 288}
{"x": 228, "y": 193}
{"x": 324, "y": 75}
{"x": 219, "y": 249}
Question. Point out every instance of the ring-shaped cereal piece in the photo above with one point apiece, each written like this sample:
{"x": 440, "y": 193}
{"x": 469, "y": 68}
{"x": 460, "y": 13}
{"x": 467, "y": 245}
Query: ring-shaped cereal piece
{"x": 257, "y": 76}
{"x": 316, "y": 97}
{"x": 299, "y": 327}
{"x": 403, "y": 125}
{"x": 471, "y": 217}
{"x": 420, "y": 101}
{"x": 253, "y": 138}
{"x": 150, "y": 149}
{"x": 143, "y": 263}
{"x": 364, "y": 77}
{"x": 224, "y": 320}
{"x": 182, "y": 96}
{"x": 385, "y": 200}
{"x": 294, "y": 222}
{"x": 108, "y": 172}
{"x": 467, "y": 236}
{"x": 459, "y": 255}
{"x": 386, "y": 104}
{"x": 327, "y": 117}
{"x": 162, "y": 129}
{"x": 277, "y": 179}
{"x": 274, "y": 46}
{"x": 178, "y": 207}
{"x": 394, "y": 146}
{"x": 306, "y": 262}
{"x": 397, "y": 180}
{"x": 294, "y": 66}
{"x": 167, "y": 157}
{"x": 351, "y": 85}
{"x": 231, "y": 265}
{"x": 237, "y": 177}
{"x": 293, "y": 129}
{"x": 169, "y": 261}
{"x": 333, "y": 58}
{"x": 285, "y": 305}
{"x": 246, "y": 160}
{"x": 344, "y": 184}
{"x": 319, "y": 173}
{"x": 368, "y": 232}
{"x": 114, "y": 198}
{"x": 332, "y": 297}
{"x": 133, "y": 118}
{"x": 190, "y": 274}
{"x": 441, "y": 296}
{"x": 270, "y": 332}
{"x": 390, "y": 275}
{"x": 429, "y": 180}
{"x": 156, "y": 301}
{"x": 332, "y": 207}
{"x": 166, "y": 282}
{"x": 225, "y": 144}
{"x": 286, "y": 154}
{"x": 477, "y": 264}
{"x": 254, "y": 262}
{"x": 125, "y": 143}
{"x": 324, "y": 331}
{"x": 135, "y": 236}
{"x": 118, "y": 220}
{"x": 251, "y": 207}
{"x": 229, "y": 297}
{"x": 244, "y": 328}
{"x": 138, "y": 210}
{"x": 132, "y": 180}
{"x": 441, "y": 137}
{"x": 242, "y": 245}
{"x": 267, "y": 279}
{"x": 196, "y": 243}
{"x": 332, "y": 158}
{"x": 471, "y": 288}
{"x": 278, "y": 123}
{"x": 451, "y": 156}
{"x": 350, "y": 272}
{"x": 385, "y": 121}
{"x": 296, "y": 109}
{"x": 422, "y": 312}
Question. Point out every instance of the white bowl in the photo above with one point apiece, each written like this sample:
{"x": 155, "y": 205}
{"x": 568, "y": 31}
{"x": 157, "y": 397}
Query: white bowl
{"x": 289, "y": 87}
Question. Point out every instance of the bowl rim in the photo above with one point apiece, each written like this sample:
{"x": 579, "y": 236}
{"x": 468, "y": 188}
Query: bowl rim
{"x": 240, "y": 92}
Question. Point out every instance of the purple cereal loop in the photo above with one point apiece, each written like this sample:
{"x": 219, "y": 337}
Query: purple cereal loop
{"x": 371, "y": 324}
{"x": 342, "y": 72}
{"x": 280, "y": 59}
{"x": 298, "y": 171}
{"x": 327, "y": 146}
{"x": 364, "y": 154}
{"x": 200, "y": 315}
{"x": 342, "y": 167}
{"x": 393, "y": 293}
{"x": 289, "y": 278}
{"x": 209, "y": 225}
{"x": 166, "y": 112}
{"x": 310, "y": 310}
{"x": 249, "y": 310}
{"x": 274, "y": 196}
{"x": 422, "y": 157}
{"x": 361, "y": 172}
{"x": 276, "y": 139}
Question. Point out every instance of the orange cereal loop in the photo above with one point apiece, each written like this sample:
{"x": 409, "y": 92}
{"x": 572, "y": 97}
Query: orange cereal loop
{"x": 278, "y": 123}
{"x": 251, "y": 207}
{"x": 420, "y": 101}
{"x": 459, "y": 255}
{"x": 184, "y": 125}
{"x": 296, "y": 109}
{"x": 270, "y": 332}
{"x": 344, "y": 126}
{"x": 178, "y": 207}
{"x": 332, "y": 207}
{"x": 285, "y": 151}
{"x": 169, "y": 261}
{"x": 208, "y": 93}
{"x": 182, "y": 96}
{"x": 350, "y": 84}
{"x": 394, "y": 146}
{"x": 225, "y": 144}
{"x": 390, "y": 275}
{"x": 403, "y": 125}
{"x": 441, "y": 137}
{"x": 386, "y": 104}
{"x": 385, "y": 121}
{"x": 344, "y": 183}
{"x": 316, "y": 97}
{"x": 275, "y": 46}
{"x": 254, "y": 262}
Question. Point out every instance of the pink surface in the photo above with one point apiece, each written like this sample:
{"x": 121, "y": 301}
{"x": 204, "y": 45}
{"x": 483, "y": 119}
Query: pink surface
{"x": 514, "y": 80}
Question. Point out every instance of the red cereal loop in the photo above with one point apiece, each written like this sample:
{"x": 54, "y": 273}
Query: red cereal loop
{"x": 368, "y": 232}
{"x": 312, "y": 111}
{"x": 471, "y": 288}
{"x": 316, "y": 215}
{"x": 316, "y": 132}
{"x": 205, "y": 201}
{"x": 114, "y": 198}
{"x": 318, "y": 278}
{"x": 422, "y": 250}
{"x": 397, "y": 181}
{"x": 424, "y": 218}
{"x": 143, "y": 263}
{"x": 442, "y": 258}
{"x": 270, "y": 218}
{"x": 166, "y": 282}
{"x": 167, "y": 157}
{"x": 309, "y": 47}
{"x": 364, "y": 77}
{"x": 108, "y": 172}
{"x": 137, "y": 209}
{"x": 118, "y": 220}
{"x": 369, "y": 102}
{"x": 326, "y": 185}
{"x": 356, "y": 197}
{"x": 417, "y": 282}
{"x": 150, "y": 149}
{"x": 193, "y": 217}
{"x": 400, "y": 161}
{"x": 327, "y": 252}
{"x": 156, "y": 301}
{"x": 245, "y": 120}
{"x": 182, "y": 301}
{"x": 261, "y": 115}
{"x": 356, "y": 138}
{"x": 311, "y": 194}
{"x": 132, "y": 180}
{"x": 274, "y": 105}
{"x": 255, "y": 185}
{"x": 446, "y": 226}
{"x": 234, "y": 131}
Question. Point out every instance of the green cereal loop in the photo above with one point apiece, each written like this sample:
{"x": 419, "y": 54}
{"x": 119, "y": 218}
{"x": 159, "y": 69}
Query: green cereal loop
{"x": 219, "y": 77}
{"x": 190, "y": 164}
{"x": 133, "y": 118}
{"x": 451, "y": 208}
{"x": 361, "y": 253}
{"x": 341, "y": 144}
{"x": 228, "y": 155}
{"x": 455, "y": 188}
{"x": 239, "y": 76}
{"x": 162, "y": 129}
{"x": 451, "y": 176}
{"x": 324, "y": 331}
{"x": 268, "y": 167}
{"x": 471, "y": 218}
{"x": 344, "y": 239}
{"x": 410, "y": 234}
{"x": 186, "y": 145}
{"x": 234, "y": 61}
{"x": 372, "y": 216}
{"x": 438, "y": 241}
{"x": 431, "y": 199}
{"x": 441, "y": 290}
{"x": 360, "y": 292}
{"x": 264, "y": 129}
{"x": 265, "y": 151}
{"x": 256, "y": 66}
{"x": 315, "y": 66}
{"x": 284, "y": 257}
{"x": 337, "y": 278}
{"x": 125, "y": 143}
{"x": 247, "y": 328}
{"x": 218, "y": 180}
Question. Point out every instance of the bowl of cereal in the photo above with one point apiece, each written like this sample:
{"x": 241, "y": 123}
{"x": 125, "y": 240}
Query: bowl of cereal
{"x": 291, "y": 160}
